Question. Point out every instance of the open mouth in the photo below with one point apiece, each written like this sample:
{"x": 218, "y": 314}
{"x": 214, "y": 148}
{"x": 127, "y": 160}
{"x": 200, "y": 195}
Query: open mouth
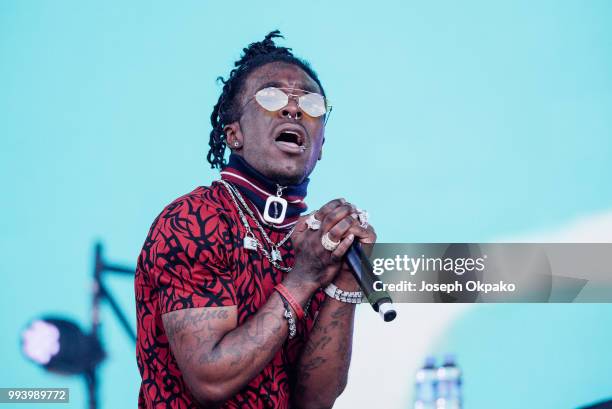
{"x": 290, "y": 138}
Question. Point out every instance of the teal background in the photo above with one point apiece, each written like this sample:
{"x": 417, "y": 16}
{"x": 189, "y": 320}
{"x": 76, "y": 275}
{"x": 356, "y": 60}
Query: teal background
{"x": 453, "y": 121}
{"x": 532, "y": 356}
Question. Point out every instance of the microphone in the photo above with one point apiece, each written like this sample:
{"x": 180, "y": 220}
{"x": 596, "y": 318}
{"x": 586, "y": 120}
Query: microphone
{"x": 364, "y": 274}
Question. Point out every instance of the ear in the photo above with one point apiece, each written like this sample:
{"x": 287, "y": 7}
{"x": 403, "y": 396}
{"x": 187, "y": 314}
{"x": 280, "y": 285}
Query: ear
{"x": 233, "y": 136}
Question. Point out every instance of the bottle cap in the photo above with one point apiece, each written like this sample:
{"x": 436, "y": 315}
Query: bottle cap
{"x": 450, "y": 360}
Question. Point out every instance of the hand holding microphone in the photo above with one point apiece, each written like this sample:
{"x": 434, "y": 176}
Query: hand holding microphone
{"x": 352, "y": 228}
{"x": 362, "y": 270}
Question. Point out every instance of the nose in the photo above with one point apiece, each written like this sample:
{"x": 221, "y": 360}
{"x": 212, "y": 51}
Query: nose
{"x": 292, "y": 110}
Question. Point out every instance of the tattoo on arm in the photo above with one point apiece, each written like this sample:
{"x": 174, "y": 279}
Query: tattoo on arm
{"x": 175, "y": 324}
{"x": 212, "y": 351}
{"x": 327, "y": 354}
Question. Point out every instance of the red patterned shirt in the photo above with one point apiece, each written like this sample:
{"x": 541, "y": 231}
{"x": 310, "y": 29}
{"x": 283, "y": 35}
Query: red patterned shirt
{"x": 193, "y": 257}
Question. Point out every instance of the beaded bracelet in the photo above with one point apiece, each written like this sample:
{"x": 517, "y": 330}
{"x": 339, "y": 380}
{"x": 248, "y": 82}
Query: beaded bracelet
{"x": 289, "y": 317}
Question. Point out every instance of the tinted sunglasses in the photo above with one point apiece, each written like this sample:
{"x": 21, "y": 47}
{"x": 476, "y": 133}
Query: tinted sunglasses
{"x": 273, "y": 99}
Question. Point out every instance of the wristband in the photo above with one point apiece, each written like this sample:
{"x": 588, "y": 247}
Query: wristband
{"x": 297, "y": 308}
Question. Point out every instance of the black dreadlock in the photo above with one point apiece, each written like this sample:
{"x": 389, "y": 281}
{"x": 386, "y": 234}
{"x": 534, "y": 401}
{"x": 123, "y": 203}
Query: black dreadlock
{"x": 226, "y": 110}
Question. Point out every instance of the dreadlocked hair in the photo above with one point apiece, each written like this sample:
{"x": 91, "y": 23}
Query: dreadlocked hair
{"x": 226, "y": 109}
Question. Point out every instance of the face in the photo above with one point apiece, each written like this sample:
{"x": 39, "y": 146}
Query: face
{"x": 283, "y": 145}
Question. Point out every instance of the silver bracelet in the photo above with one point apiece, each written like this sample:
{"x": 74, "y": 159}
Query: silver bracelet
{"x": 289, "y": 317}
{"x": 291, "y": 321}
{"x": 351, "y": 297}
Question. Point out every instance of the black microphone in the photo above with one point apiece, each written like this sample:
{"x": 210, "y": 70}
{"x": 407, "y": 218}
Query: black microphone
{"x": 364, "y": 274}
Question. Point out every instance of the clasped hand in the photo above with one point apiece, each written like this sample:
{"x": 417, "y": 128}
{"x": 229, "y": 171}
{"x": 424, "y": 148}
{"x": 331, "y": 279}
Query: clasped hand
{"x": 318, "y": 265}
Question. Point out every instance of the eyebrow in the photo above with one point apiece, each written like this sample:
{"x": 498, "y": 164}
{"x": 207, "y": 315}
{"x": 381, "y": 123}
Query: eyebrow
{"x": 297, "y": 86}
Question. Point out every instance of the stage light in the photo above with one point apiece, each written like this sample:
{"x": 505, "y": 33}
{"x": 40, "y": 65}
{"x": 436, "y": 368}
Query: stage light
{"x": 59, "y": 345}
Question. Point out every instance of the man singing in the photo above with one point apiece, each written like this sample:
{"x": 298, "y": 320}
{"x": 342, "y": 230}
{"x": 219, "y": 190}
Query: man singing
{"x": 241, "y": 302}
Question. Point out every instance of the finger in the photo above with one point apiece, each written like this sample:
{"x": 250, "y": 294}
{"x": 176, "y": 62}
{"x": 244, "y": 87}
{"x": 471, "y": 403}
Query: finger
{"x": 364, "y": 235}
{"x": 336, "y": 215}
{"x": 328, "y": 207}
{"x": 340, "y": 229}
{"x": 342, "y": 248}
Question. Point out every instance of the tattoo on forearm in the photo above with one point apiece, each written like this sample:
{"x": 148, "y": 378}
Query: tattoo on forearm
{"x": 335, "y": 332}
{"x": 191, "y": 318}
{"x": 343, "y": 311}
{"x": 206, "y": 346}
{"x": 209, "y": 343}
{"x": 314, "y": 344}
{"x": 314, "y": 363}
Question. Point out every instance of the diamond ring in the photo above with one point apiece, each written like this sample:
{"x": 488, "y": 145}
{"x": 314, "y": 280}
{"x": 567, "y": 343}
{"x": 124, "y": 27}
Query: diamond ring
{"x": 313, "y": 223}
{"x": 362, "y": 215}
{"x": 328, "y": 243}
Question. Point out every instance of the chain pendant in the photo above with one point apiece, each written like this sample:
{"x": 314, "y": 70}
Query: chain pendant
{"x": 249, "y": 243}
{"x": 276, "y": 255}
{"x": 275, "y": 218}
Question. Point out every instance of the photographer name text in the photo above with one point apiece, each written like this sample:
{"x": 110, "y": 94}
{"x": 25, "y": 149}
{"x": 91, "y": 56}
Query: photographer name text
{"x": 424, "y": 286}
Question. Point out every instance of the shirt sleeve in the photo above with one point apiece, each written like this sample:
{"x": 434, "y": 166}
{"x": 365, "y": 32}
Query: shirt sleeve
{"x": 192, "y": 267}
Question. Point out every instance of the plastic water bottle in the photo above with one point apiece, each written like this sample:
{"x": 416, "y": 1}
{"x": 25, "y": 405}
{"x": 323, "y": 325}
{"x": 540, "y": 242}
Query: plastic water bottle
{"x": 449, "y": 384}
{"x": 425, "y": 385}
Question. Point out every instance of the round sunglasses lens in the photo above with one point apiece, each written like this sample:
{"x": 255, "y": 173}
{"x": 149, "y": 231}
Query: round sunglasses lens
{"x": 271, "y": 98}
{"x": 313, "y": 104}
